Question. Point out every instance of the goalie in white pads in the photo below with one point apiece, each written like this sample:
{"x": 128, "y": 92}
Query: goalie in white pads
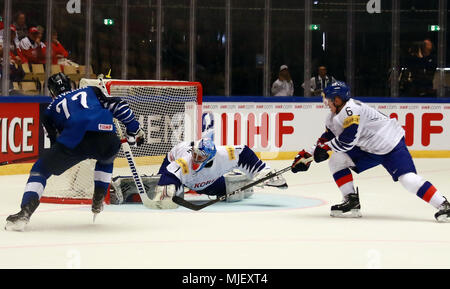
{"x": 201, "y": 166}
{"x": 361, "y": 138}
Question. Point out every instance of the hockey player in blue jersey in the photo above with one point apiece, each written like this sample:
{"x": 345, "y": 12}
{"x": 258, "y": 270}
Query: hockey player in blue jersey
{"x": 80, "y": 126}
{"x": 361, "y": 138}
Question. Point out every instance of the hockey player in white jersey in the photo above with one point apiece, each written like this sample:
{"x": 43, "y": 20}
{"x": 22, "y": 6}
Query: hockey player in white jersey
{"x": 361, "y": 138}
{"x": 200, "y": 166}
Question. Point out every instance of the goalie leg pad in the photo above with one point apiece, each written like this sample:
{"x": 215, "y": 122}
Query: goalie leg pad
{"x": 234, "y": 181}
{"x": 123, "y": 189}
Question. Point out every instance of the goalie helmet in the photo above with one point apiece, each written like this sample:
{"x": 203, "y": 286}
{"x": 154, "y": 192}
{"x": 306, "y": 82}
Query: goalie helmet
{"x": 203, "y": 151}
{"x": 338, "y": 88}
{"x": 59, "y": 83}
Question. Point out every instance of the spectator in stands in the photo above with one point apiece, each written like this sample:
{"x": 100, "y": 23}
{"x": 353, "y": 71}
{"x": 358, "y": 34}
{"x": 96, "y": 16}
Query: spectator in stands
{"x": 20, "y": 22}
{"x": 421, "y": 64}
{"x": 16, "y": 40}
{"x": 59, "y": 53}
{"x": 283, "y": 86}
{"x": 319, "y": 82}
{"x": 32, "y": 47}
{"x": 16, "y": 57}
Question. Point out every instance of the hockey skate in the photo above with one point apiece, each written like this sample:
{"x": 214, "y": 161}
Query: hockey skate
{"x": 97, "y": 202}
{"x": 443, "y": 215}
{"x": 18, "y": 222}
{"x": 350, "y": 208}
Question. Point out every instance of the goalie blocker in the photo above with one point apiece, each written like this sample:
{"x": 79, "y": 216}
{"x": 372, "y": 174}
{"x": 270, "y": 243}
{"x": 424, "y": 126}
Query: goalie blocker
{"x": 123, "y": 191}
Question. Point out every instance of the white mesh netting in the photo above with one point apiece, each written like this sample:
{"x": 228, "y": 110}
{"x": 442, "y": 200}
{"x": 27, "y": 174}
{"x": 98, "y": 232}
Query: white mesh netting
{"x": 168, "y": 112}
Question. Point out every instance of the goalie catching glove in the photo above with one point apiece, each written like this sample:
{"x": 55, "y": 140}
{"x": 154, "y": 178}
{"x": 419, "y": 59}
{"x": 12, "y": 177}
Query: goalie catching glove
{"x": 135, "y": 138}
{"x": 301, "y": 162}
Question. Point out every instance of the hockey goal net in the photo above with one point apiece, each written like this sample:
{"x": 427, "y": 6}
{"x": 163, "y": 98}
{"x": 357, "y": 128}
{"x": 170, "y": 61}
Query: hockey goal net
{"x": 168, "y": 111}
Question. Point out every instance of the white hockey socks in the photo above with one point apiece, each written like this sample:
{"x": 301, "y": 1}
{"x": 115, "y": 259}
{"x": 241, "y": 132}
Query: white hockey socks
{"x": 423, "y": 189}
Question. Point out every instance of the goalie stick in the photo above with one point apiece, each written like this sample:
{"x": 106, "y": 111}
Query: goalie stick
{"x": 136, "y": 177}
{"x": 182, "y": 202}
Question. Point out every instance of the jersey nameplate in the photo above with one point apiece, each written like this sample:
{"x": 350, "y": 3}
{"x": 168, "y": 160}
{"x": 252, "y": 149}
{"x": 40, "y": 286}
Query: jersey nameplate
{"x": 231, "y": 154}
{"x": 183, "y": 165}
{"x": 354, "y": 119}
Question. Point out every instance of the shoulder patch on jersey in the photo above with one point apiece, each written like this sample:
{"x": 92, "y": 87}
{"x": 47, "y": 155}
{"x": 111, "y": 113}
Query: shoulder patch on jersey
{"x": 183, "y": 164}
{"x": 230, "y": 151}
{"x": 354, "y": 119}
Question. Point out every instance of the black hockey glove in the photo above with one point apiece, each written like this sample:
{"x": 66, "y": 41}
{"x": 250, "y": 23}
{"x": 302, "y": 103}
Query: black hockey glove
{"x": 301, "y": 162}
{"x": 321, "y": 153}
{"x": 136, "y": 138}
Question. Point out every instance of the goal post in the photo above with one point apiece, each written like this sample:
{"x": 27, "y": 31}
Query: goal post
{"x": 168, "y": 111}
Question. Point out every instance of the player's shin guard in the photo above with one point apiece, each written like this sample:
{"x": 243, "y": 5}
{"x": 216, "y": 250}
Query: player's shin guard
{"x": 30, "y": 200}
{"x": 97, "y": 200}
{"x": 102, "y": 179}
{"x": 427, "y": 192}
{"x": 344, "y": 180}
{"x": 350, "y": 207}
{"x": 430, "y": 194}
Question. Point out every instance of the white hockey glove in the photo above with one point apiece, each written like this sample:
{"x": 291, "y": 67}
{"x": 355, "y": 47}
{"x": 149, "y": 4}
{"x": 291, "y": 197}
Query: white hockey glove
{"x": 136, "y": 138}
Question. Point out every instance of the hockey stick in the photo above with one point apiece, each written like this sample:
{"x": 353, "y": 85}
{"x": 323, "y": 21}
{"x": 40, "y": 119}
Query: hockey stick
{"x": 182, "y": 202}
{"x": 18, "y": 160}
{"x": 136, "y": 177}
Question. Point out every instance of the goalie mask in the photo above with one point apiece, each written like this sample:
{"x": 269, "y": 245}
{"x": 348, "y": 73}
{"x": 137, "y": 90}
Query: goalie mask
{"x": 203, "y": 152}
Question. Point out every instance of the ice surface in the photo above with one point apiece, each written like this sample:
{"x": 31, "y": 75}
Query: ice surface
{"x": 273, "y": 229}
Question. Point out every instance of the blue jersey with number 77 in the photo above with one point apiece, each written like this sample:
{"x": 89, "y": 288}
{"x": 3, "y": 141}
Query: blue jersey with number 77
{"x": 76, "y": 112}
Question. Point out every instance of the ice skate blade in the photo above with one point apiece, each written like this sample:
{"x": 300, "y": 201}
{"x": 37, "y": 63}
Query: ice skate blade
{"x": 355, "y": 213}
{"x": 281, "y": 187}
{"x": 94, "y": 217}
{"x": 443, "y": 219}
{"x": 18, "y": 226}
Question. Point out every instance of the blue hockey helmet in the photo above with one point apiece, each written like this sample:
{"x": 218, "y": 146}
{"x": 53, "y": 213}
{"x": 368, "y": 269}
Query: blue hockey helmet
{"x": 203, "y": 152}
{"x": 338, "y": 88}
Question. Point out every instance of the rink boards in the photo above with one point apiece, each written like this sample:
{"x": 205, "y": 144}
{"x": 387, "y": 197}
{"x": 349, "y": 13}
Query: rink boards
{"x": 275, "y": 127}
